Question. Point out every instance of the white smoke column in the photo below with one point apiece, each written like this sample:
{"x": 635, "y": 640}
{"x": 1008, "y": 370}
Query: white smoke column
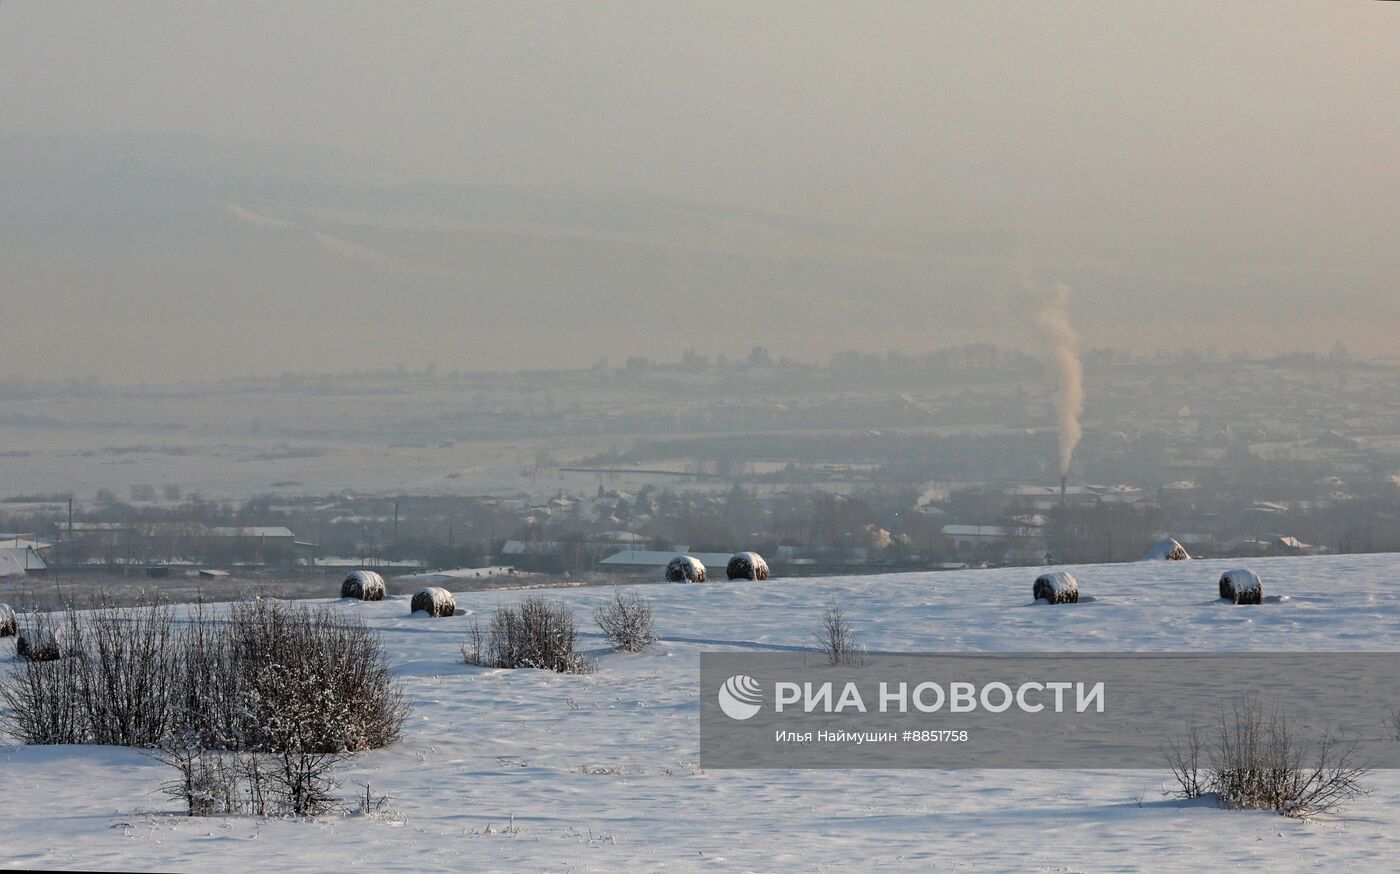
{"x": 1053, "y": 319}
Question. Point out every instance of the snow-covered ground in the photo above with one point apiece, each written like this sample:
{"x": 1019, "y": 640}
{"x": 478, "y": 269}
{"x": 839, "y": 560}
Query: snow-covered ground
{"x": 525, "y": 770}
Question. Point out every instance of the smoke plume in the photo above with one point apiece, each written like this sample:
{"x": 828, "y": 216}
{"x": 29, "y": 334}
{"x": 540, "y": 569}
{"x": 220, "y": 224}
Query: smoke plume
{"x": 1053, "y": 320}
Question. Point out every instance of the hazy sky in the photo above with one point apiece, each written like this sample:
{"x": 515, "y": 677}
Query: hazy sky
{"x": 1160, "y": 157}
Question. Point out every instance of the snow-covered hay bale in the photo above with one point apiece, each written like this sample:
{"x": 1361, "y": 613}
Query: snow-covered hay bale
{"x": 1167, "y": 550}
{"x": 685, "y": 569}
{"x": 1242, "y": 586}
{"x": 1056, "y": 587}
{"x": 363, "y": 586}
{"x": 747, "y": 566}
{"x": 9, "y": 623}
{"x": 435, "y": 601}
{"x": 41, "y": 644}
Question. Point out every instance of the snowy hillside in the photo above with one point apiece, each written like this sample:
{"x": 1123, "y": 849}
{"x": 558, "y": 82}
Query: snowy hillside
{"x": 512, "y": 770}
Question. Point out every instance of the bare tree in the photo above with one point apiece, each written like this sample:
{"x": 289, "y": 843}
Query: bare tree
{"x": 627, "y": 621}
{"x": 837, "y": 638}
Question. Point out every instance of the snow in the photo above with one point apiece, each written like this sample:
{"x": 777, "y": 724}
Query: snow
{"x": 526, "y": 770}
{"x": 457, "y": 575}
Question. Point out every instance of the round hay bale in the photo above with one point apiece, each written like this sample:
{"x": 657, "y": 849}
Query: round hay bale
{"x": 434, "y": 601}
{"x": 1056, "y": 587}
{"x": 1167, "y": 550}
{"x": 9, "y": 623}
{"x": 1242, "y": 586}
{"x": 363, "y": 586}
{"x": 685, "y": 569}
{"x": 42, "y": 644}
{"x": 746, "y": 566}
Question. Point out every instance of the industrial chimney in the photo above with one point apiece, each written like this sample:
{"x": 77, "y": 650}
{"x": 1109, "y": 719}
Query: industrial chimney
{"x": 1063, "y": 480}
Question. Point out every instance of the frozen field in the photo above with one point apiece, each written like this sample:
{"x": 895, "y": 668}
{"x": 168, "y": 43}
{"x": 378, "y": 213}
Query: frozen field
{"x": 526, "y": 770}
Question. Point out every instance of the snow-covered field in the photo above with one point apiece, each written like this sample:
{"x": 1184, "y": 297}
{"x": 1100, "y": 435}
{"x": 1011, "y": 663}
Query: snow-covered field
{"x": 526, "y": 770}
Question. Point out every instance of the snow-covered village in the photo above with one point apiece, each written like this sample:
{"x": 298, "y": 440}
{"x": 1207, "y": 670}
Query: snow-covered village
{"x": 779, "y": 436}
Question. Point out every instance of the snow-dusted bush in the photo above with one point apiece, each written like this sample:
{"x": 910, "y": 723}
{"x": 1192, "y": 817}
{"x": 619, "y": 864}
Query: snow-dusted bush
{"x": 311, "y": 681}
{"x": 837, "y": 638}
{"x": 434, "y": 601}
{"x": 685, "y": 569}
{"x": 1254, "y": 761}
{"x": 9, "y": 622}
{"x": 536, "y": 633}
{"x": 273, "y": 677}
{"x": 1242, "y": 586}
{"x": 363, "y": 586}
{"x": 746, "y": 566}
{"x": 1056, "y": 587}
{"x": 627, "y": 621}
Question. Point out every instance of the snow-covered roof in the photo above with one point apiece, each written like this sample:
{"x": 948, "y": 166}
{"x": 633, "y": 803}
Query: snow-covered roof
{"x": 18, "y": 561}
{"x": 990, "y": 531}
{"x": 251, "y": 531}
{"x": 22, "y": 543}
{"x": 623, "y": 537}
{"x": 976, "y": 531}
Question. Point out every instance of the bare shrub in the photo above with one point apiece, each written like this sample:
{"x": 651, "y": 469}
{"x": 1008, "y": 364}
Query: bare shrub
{"x": 254, "y": 711}
{"x": 1186, "y": 760}
{"x": 1257, "y": 763}
{"x": 476, "y": 650}
{"x": 837, "y": 638}
{"x": 224, "y": 783}
{"x": 209, "y": 781}
{"x": 42, "y": 697}
{"x": 128, "y": 672}
{"x": 627, "y": 621}
{"x": 304, "y": 783}
{"x": 273, "y": 677}
{"x": 372, "y": 805}
{"x": 536, "y": 633}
